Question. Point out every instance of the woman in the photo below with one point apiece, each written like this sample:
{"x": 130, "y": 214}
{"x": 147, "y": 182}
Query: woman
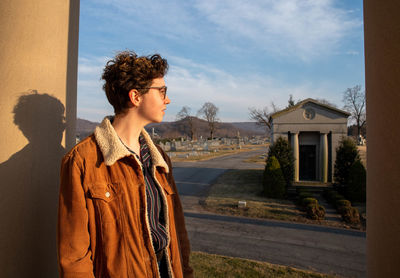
{"x": 119, "y": 209}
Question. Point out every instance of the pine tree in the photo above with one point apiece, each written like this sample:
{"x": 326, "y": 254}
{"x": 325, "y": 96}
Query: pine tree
{"x": 346, "y": 155}
{"x": 273, "y": 182}
{"x": 282, "y": 150}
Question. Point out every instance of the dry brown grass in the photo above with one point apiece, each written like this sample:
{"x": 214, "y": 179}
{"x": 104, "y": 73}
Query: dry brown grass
{"x": 256, "y": 159}
{"x": 236, "y": 185}
{"x": 246, "y": 185}
{"x": 207, "y": 265}
{"x": 222, "y": 151}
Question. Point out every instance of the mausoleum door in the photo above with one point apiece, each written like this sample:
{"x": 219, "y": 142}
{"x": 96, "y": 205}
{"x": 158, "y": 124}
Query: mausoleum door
{"x": 308, "y": 162}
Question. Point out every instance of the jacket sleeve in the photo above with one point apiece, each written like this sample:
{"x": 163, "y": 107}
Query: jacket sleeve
{"x": 180, "y": 223}
{"x": 73, "y": 239}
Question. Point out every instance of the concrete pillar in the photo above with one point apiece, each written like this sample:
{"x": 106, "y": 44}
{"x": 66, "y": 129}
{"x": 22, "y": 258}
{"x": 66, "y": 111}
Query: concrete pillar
{"x": 295, "y": 147}
{"x": 323, "y": 157}
{"x": 382, "y": 72}
{"x": 38, "y": 75}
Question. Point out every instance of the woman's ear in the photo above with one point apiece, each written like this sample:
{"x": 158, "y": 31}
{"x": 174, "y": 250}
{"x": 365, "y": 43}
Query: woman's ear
{"x": 134, "y": 97}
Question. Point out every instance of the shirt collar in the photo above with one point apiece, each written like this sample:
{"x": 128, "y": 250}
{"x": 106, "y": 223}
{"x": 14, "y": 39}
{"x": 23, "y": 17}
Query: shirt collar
{"x": 113, "y": 149}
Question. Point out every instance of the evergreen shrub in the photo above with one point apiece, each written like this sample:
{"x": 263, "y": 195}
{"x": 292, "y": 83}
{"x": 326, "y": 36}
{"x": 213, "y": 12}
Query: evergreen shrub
{"x": 273, "y": 181}
{"x": 282, "y": 150}
{"x": 303, "y": 195}
{"x": 315, "y": 211}
{"x": 346, "y": 155}
{"x": 355, "y": 190}
{"x": 343, "y": 203}
{"x": 350, "y": 215}
{"x": 342, "y": 206}
{"x": 336, "y": 198}
{"x": 308, "y": 200}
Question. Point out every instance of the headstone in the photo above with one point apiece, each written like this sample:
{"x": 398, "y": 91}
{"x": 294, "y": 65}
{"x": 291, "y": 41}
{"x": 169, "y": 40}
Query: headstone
{"x": 173, "y": 146}
{"x": 167, "y": 146}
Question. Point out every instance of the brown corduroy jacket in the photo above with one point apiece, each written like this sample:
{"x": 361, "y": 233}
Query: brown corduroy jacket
{"x": 103, "y": 228}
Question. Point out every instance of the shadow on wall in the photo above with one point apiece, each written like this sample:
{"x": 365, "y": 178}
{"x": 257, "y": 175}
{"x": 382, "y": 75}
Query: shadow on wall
{"x": 29, "y": 190}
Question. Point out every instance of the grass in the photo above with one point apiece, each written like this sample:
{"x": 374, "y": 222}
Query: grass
{"x": 236, "y": 185}
{"x": 222, "y": 151}
{"x": 246, "y": 185}
{"x": 207, "y": 265}
{"x": 258, "y": 159}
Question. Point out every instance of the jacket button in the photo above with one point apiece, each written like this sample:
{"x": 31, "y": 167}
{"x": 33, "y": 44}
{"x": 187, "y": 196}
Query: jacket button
{"x": 108, "y": 194}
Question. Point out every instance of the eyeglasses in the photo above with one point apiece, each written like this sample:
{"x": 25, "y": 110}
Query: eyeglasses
{"x": 162, "y": 90}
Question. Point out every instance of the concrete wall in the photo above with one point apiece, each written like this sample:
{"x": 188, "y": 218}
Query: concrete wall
{"x": 317, "y": 127}
{"x": 325, "y": 121}
{"x": 38, "y": 74}
{"x": 322, "y": 115}
{"x": 382, "y": 72}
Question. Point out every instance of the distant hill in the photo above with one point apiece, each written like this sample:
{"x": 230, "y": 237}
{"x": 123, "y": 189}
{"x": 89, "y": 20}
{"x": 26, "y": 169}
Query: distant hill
{"x": 181, "y": 129}
{"x": 84, "y": 127}
{"x": 251, "y": 127}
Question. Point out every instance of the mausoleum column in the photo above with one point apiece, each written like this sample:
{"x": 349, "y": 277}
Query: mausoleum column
{"x": 295, "y": 147}
{"x": 324, "y": 157}
{"x": 38, "y": 75}
{"x": 382, "y": 58}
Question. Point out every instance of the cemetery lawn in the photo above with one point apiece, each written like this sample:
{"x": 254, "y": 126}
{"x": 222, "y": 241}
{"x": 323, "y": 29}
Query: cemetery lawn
{"x": 208, "y": 265}
{"x": 180, "y": 156}
{"x": 246, "y": 185}
{"x": 258, "y": 159}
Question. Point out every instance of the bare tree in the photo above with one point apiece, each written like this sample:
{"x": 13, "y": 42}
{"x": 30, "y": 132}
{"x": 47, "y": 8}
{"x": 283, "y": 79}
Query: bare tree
{"x": 275, "y": 108}
{"x": 185, "y": 114}
{"x": 209, "y": 112}
{"x": 262, "y": 116}
{"x": 354, "y": 103}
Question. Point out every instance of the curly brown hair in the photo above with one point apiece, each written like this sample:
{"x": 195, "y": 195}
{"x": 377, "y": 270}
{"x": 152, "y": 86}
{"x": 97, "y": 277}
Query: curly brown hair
{"x": 127, "y": 71}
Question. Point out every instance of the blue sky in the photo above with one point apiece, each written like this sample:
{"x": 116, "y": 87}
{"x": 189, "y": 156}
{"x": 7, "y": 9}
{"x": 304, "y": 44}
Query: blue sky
{"x": 234, "y": 53}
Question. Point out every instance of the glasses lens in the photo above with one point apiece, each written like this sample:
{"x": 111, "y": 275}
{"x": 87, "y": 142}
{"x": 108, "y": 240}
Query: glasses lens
{"x": 163, "y": 92}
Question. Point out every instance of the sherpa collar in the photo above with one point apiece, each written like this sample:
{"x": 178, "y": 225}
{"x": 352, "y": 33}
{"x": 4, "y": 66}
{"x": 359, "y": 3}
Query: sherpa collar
{"x": 113, "y": 150}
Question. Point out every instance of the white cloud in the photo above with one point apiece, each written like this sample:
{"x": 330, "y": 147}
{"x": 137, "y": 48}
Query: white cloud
{"x": 92, "y": 102}
{"x": 191, "y": 84}
{"x": 352, "y": 52}
{"x": 171, "y": 19}
{"x": 294, "y": 28}
{"x": 301, "y": 29}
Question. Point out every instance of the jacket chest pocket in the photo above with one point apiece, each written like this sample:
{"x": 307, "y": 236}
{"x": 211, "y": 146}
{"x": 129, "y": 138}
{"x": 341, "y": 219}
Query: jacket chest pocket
{"x": 107, "y": 199}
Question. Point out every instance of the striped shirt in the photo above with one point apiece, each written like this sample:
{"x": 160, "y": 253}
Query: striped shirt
{"x": 154, "y": 200}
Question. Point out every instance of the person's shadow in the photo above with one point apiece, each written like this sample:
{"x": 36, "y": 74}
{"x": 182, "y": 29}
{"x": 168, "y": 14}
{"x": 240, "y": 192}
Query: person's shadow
{"x": 29, "y": 184}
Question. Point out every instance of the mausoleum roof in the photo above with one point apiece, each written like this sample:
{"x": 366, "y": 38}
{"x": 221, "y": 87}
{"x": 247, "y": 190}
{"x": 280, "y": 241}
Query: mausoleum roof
{"x": 301, "y": 103}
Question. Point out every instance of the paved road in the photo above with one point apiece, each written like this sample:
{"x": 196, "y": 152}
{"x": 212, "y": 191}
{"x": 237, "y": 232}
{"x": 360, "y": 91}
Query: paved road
{"x": 312, "y": 247}
{"x": 234, "y": 161}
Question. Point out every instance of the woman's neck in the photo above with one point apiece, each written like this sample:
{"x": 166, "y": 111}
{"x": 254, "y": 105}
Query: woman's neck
{"x": 128, "y": 129}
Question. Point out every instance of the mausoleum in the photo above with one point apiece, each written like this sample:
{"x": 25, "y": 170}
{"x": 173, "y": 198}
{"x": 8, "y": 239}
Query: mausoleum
{"x": 314, "y": 130}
